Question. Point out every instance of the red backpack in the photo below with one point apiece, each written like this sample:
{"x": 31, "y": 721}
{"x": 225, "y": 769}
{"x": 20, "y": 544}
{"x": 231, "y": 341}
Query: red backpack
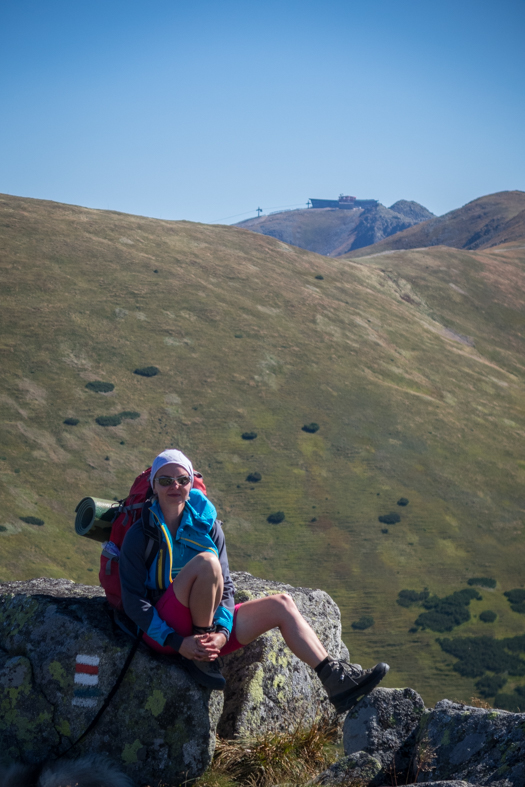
{"x": 128, "y": 513}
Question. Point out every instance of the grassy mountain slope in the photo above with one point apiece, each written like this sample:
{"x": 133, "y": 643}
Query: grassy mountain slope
{"x": 335, "y": 232}
{"x": 485, "y": 222}
{"x": 412, "y": 366}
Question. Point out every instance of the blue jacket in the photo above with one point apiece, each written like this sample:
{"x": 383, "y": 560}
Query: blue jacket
{"x": 199, "y": 531}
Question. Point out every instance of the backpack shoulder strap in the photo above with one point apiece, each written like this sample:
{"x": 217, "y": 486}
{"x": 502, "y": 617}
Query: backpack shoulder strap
{"x": 153, "y": 545}
{"x": 151, "y": 552}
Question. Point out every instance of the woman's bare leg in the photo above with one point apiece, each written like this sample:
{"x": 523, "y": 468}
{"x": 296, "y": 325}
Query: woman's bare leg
{"x": 199, "y": 586}
{"x": 262, "y": 614}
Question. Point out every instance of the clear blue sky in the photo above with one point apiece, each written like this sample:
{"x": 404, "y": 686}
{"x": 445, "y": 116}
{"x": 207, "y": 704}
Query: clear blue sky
{"x": 205, "y": 109}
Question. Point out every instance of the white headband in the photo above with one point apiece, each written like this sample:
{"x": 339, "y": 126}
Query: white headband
{"x": 168, "y": 457}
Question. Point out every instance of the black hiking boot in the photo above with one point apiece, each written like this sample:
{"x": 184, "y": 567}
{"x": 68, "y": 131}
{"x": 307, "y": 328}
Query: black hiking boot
{"x": 346, "y": 684}
{"x": 205, "y": 673}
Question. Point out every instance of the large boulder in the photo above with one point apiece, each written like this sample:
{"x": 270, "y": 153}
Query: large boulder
{"x": 268, "y": 689}
{"x": 160, "y": 721}
{"x": 60, "y": 655}
{"x": 485, "y": 747}
{"x": 384, "y": 724}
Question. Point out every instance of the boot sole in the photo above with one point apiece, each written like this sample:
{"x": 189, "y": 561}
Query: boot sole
{"x": 200, "y": 677}
{"x": 348, "y": 699}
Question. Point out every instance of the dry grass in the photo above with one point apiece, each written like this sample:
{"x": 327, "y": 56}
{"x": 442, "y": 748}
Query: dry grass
{"x": 476, "y": 702}
{"x": 274, "y": 758}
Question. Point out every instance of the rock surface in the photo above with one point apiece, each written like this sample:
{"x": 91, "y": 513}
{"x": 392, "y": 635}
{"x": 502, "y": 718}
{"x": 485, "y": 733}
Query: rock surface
{"x": 384, "y": 725}
{"x": 60, "y": 655}
{"x": 485, "y": 747}
{"x": 268, "y": 689}
{"x": 160, "y": 722}
{"x": 358, "y": 768}
{"x": 454, "y": 783}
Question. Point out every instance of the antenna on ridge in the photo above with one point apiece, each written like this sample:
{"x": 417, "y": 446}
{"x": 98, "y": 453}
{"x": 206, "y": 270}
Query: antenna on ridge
{"x": 259, "y": 211}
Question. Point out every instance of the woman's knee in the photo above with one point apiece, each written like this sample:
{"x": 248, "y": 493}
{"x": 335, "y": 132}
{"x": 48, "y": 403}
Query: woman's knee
{"x": 206, "y": 563}
{"x": 285, "y": 604}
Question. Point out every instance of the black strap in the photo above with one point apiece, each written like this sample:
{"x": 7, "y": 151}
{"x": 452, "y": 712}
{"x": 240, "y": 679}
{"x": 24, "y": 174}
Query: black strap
{"x": 110, "y": 695}
{"x": 149, "y": 554}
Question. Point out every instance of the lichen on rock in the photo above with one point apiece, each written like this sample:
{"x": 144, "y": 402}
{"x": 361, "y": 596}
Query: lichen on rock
{"x": 61, "y": 655}
{"x": 269, "y": 689}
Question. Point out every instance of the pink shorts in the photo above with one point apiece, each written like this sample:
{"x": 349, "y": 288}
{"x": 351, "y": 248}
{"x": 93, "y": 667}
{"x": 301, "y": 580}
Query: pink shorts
{"x": 178, "y": 617}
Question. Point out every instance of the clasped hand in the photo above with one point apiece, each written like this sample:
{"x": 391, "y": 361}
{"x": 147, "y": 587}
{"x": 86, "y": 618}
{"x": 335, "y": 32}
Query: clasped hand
{"x": 202, "y": 647}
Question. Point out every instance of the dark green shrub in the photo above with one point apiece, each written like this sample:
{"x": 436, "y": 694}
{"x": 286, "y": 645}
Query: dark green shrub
{"x": 484, "y": 582}
{"x": 108, "y": 420}
{"x": 487, "y": 616}
{"x": 32, "y": 520}
{"x": 384, "y": 530}
{"x": 239, "y": 335}
{"x": 489, "y": 685}
{"x": 516, "y": 596}
{"x": 249, "y": 435}
{"x": 364, "y": 622}
{"x": 71, "y": 421}
{"x": 147, "y": 371}
{"x": 276, "y": 518}
{"x": 3, "y": 529}
{"x": 319, "y": 277}
{"x": 478, "y": 654}
{"x": 443, "y": 620}
{"x": 515, "y": 644}
{"x": 518, "y": 608}
{"x": 389, "y": 519}
{"x": 511, "y": 702}
{"x": 447, "y": 612}
{"x": 311, "y": 428}
{"x": 99, "y": 387}
{"x": 130, "y": 415}
{"x": 405, "y": 598}
{"x": 253, "y": 478}
{"x": 403, "y": 501}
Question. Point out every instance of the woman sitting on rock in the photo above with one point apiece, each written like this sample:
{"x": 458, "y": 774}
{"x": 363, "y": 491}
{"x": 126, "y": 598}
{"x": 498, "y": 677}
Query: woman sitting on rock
{"x": 184, "y": 600}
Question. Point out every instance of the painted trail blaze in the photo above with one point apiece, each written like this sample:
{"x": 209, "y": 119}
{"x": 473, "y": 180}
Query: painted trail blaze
{"x": 86, "y": 681}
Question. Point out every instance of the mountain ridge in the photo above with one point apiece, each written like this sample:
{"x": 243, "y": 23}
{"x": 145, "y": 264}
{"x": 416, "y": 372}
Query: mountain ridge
{"x": 482, "y": 223}
{"x": 334, "y": 232}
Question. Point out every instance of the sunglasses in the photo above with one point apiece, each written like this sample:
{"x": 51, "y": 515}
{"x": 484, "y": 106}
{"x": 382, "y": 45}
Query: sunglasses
{"x": 167, "y": 480}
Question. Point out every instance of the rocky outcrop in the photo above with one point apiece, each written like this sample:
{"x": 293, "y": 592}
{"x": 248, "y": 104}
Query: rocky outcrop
{"x": 448, "y": 744}
{"x": 412, "y": 210}
{"x": 268, "y": 689}
{"x": 384, "y": 725}
{"x": 478, "y": 745}
{"x": 60, "y": 656}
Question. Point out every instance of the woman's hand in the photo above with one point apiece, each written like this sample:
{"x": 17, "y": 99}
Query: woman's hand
{"x": 213, "y": 644}
{"x": 202, "y": 647}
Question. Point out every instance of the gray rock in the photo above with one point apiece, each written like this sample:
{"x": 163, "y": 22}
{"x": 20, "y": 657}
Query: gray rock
{"x": 384, "y": 725}
{"x": 160, "y": 724}
{"x": 480, "y": 746}
{"x": 356, "y": 769}
{"x": 452, "y": 784}
{"x": 268, "y": 689}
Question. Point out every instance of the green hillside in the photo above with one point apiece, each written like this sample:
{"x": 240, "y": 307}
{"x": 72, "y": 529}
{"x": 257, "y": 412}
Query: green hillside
{"x": 411, "y": 364}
